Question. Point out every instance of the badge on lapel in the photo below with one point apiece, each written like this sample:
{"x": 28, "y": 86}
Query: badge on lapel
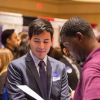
{"x": 69, "y": 69}
{"x": 56, "y": 77}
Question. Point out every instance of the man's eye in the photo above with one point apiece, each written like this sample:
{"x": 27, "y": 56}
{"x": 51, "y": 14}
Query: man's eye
{"x": 37, "y": 41}
{"x": 46, "y": 41}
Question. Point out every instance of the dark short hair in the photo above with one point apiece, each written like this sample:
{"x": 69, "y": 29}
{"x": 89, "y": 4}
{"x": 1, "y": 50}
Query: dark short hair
{"x": 38, "y": 26}
{"x": 74, "y": 25}
{"x": 6, "y": 34}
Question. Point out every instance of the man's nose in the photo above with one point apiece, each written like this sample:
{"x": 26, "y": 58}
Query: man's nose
{"x": 41, "y": 45}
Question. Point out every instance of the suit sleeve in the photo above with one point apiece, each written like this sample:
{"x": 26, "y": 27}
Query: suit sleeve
{"x": 64, "y": 86}
{"x": 14, "y": 78}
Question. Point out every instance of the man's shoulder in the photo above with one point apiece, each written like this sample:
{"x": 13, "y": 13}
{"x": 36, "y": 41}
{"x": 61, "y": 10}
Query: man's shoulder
{"x": 19, "y": 59}
{"x": 17, "y": 64}
{"x": 93, "y": 62}
{"x": 54, "y": 60}
{"x": 56, "y": 64}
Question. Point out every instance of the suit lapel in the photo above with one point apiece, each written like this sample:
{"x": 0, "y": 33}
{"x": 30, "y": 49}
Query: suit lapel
{"x": 49, "y": 75}
{"x": 31, "y": 65}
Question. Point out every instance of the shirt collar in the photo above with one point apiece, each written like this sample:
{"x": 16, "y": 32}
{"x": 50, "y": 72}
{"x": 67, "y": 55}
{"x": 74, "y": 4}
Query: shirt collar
{"x": 36, "y": 60}
{"x": 10, "y": 50}
{"x": 91, "y": 55}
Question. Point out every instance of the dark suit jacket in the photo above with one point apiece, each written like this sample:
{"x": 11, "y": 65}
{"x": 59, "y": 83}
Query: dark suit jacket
{"x": 23, "y": 71}
{"x": 72, "y": 77}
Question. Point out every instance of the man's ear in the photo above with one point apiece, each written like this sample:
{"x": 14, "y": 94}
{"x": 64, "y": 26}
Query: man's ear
{"x": 52, "y": 41}
{"x": 8, "y": 40}
{"x": 79, "y": 36}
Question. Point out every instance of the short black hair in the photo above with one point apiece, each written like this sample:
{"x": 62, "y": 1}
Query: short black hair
{"x": 38, "y": 26}
{"x": 74, "y": 25}
{"x": 6, "y": 34}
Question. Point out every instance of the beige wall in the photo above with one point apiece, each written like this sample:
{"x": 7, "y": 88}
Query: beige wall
{"x": 53, "y": 8}
{"x": 29, "y": 7}
{"x": 89, "y": 11}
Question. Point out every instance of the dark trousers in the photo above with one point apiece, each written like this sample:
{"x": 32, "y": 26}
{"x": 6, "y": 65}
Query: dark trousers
{"x": 0, "y": 96}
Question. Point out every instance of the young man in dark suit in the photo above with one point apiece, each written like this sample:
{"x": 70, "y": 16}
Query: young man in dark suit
{"x": 27, "y": 69}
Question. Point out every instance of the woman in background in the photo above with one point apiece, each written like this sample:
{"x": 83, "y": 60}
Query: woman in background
{"x": 22, "y": 35}
{"x": 22, "y": 49}
{"x": 5, "y": 57}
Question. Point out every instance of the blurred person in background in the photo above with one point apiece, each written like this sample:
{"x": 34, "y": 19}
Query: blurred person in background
{"x": 77, "y": 35}
{"x": 22, "y": 49}
{"x": 22, "y": 35}
{"x": 54, "y": 53}
{"x": 9, "y": 40}
{"x": 72, "y": 68}
{"x": 96, "y": 30}
{"x": 5, "y": 57}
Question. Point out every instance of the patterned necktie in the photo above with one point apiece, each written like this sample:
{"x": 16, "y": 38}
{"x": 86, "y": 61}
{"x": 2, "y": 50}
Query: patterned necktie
{"x": 43, "y": 77}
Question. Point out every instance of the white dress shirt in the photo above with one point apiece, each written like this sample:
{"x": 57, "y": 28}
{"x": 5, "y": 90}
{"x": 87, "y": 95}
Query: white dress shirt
{"x": 36, "y": 60}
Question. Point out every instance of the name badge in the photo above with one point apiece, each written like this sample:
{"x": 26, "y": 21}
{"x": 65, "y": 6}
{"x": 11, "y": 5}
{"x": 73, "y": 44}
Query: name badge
{"x": 69, "y": 69}
{"x": 56, "y": 77}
